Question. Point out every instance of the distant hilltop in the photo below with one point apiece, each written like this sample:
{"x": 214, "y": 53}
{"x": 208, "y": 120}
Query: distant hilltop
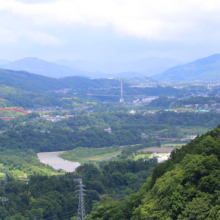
{"x": 205, "y": 69}
{"x": 41, "y": 67}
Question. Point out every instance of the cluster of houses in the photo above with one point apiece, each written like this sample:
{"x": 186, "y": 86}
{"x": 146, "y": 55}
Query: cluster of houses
{"x": 57, "y": 108}
{"x": 56, "y": 118}
{"x": 132, "y": 112}
{"x": 187, "y": 110}
{"x": 46, "y": 109}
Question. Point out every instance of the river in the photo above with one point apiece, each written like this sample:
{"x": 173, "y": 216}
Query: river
{"x": 52, "y": 159}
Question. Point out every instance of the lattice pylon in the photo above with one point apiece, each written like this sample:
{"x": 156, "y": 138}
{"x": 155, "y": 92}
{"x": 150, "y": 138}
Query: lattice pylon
{"x": 81, "y": 208}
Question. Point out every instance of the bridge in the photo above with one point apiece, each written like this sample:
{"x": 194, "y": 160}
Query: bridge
{"x": 7, "y": 118}
{"x": 11, "y": 109}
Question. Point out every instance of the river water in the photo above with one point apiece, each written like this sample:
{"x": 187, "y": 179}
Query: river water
{"x": 52, "y": 159}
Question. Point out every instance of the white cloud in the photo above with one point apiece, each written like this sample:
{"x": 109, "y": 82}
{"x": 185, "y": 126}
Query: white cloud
{"x": 153, "y": 20}
{"x": 7, "y": 36}
{"x": 42, "y": 38}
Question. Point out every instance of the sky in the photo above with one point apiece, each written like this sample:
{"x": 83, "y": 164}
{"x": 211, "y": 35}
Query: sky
{"x": 109, "y": 30}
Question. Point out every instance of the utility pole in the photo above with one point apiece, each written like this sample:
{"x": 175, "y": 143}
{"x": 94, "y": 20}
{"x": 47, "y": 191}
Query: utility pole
{"x": 6, "y": 177}
{"x": 81, "y": 208}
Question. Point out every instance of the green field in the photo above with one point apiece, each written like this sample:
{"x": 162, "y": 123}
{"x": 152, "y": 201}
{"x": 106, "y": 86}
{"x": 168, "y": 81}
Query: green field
{"x": 98, "y": 158}
{"x": 142, "y": 156}
{"x": 91, "y": 155}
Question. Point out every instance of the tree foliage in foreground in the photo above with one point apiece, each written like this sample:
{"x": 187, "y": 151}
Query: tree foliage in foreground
{"x": 54, "y": 197}
{"x": 187, "y": 186}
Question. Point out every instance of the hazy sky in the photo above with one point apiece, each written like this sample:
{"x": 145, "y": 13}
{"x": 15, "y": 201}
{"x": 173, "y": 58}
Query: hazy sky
{"x": 109, "y": 29}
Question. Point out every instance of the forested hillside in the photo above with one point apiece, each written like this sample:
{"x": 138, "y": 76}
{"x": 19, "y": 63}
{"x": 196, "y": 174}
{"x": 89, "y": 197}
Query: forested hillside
{"x": 28, "y": 81}
{"x": 37, "y": 83}
{"x": 88, "y": 131}
{"x": 62, "y": 139}
{"x": 205, "y": 69}
{"x": 56, "y": 198}
{"x": 184, "y": 187}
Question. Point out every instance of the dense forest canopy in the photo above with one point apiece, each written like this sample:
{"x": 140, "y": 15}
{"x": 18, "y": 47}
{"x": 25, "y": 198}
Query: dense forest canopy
{"x": 38, "y": 83}
{"x": 126, "y": 130}
{"x": 184, "y": 187}
{"x": 54, "y": 197}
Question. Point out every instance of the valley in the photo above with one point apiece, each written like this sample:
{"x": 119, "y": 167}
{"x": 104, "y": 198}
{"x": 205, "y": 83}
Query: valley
{"x": 113, "y": 147}
{"x": 109, "y": 110}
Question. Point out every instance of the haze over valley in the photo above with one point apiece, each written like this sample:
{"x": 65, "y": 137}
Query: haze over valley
{"x": 163, "y": 70}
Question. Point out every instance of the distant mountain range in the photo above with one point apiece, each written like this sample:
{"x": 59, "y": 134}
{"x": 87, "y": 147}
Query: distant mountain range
{"x": 205, "y": 69}
{"x": 50, "y": 69}
{"x": 148, "y": 67}
{"x": 41, "y": 67}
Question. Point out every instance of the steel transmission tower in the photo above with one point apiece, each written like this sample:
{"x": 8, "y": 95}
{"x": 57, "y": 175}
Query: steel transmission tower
{"x": 81, "y": 208}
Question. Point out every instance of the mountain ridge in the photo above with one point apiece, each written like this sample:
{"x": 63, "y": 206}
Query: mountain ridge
{"x": 204, "y": 69}
{"x": 50, "y": 69}
{"x": 35, "y": 82}
{"x": 41, "y": 67}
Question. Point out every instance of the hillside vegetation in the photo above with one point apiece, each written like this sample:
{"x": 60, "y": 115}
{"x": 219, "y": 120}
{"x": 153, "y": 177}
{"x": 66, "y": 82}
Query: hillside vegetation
{"x": 33, "y": 82}
{"x": 184, "y": 187}
{"x": 55, "y": 197}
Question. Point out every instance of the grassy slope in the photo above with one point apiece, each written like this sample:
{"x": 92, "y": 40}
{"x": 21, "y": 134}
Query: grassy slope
{"x": 98, "y": 158}
{"x": 21, "y": 164}
{"x": 90, "y": 155}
